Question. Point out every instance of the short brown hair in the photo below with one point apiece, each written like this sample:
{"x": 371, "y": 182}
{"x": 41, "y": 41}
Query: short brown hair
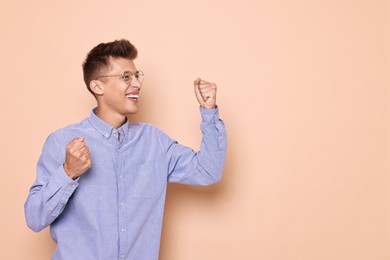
{"x": 98, "y": 58}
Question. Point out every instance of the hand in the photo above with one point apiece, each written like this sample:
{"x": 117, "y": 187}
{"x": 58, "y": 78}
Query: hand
{"x": 78, "y": 159}
{"x": 206, "y": 93}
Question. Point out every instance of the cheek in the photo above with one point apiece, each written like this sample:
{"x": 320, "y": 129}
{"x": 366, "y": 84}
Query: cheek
{"x": 114, "y": 96}
{"x": 117, "y": 91}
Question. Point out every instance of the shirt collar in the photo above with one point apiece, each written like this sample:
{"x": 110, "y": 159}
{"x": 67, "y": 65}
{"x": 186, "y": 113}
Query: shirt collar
{"x": 105, "y": 129}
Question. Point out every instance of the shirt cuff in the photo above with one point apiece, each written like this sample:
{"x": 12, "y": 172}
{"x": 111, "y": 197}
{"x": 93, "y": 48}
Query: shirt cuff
{"x": 60, "y": 180}
{"x": 209, "y": 115}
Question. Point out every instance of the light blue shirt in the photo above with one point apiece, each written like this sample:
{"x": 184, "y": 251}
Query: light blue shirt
{"x": 115, "y": 209}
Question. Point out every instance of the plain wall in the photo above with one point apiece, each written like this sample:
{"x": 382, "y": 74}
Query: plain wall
{"x": 303, "y": 87}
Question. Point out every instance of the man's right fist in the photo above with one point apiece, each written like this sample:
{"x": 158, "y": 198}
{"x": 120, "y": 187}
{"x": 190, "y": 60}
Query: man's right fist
{"x": 78, "y": 159}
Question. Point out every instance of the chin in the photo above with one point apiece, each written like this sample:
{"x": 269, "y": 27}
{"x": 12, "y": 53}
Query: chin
{"x": 132, "y": 111}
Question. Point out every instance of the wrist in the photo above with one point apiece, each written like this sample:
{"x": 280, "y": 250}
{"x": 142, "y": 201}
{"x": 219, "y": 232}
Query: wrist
{"x": 210, "y": 107}
{"x": 69, "y": 172}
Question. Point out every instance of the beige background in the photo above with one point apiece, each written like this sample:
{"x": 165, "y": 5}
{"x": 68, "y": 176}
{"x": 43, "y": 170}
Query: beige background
{"x": 303, "y": 89}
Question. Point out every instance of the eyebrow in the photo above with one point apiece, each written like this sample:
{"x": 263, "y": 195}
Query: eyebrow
{"x": 130, "y": 71}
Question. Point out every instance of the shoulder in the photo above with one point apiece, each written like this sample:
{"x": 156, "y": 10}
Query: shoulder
{"x": 147, "y": 130}
{"x": 150, "y": 135}
{"x": 65, "y": 134}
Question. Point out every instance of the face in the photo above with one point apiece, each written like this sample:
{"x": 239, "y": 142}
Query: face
{"x": 119, "y": 98}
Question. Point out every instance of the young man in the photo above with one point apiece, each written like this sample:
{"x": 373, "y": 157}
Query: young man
{"x": 101, "y": 183}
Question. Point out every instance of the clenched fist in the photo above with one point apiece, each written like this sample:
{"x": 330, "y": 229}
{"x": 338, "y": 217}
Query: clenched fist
{"x": 78, "y": 160}
{"x": 206, "y": 93}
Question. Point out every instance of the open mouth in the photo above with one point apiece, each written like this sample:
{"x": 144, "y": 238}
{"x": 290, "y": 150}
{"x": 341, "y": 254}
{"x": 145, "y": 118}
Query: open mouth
{"x": 132, "y": 96}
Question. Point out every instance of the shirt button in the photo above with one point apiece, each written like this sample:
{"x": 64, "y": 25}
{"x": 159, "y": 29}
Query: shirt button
{"x": 122, "y": 230}
{"x": 74, "y": 185}
{"x": 122, "y": 256}
{"x": 120, "y": 176}
{"x": 121, "y": 203}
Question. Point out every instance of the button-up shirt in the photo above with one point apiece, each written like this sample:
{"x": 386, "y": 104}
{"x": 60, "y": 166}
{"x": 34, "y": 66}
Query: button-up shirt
{"x": 115, "y": 209}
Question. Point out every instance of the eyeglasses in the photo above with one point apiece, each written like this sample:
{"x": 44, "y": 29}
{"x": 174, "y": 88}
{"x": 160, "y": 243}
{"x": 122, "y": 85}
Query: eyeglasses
{"x": 127, "y": 76}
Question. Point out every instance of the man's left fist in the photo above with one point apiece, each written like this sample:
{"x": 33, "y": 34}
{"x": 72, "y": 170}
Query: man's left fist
{"x": 206, "y": 93}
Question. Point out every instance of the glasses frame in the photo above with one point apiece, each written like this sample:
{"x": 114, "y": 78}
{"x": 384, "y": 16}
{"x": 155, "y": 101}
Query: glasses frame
{"x": 122, "y": 76}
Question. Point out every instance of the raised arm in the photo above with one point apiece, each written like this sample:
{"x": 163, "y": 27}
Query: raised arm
{"x": 205, "y": 166}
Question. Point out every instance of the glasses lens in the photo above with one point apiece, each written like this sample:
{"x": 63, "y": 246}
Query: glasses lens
{"x": 139, "y": 75}
{"x": 127, "y": 77}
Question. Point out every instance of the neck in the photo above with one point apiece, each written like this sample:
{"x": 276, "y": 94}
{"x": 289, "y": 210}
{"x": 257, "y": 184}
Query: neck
{"x": 113, "y": 119}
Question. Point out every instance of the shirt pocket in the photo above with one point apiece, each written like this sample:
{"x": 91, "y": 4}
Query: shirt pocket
{"x": 146, "y": 180}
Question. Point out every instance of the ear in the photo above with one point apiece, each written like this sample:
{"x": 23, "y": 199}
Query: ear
{"x": 96, "y": 87}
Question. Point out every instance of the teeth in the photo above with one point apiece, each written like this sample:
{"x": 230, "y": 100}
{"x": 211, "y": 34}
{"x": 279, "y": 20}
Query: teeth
{"x": 133, "y": 96}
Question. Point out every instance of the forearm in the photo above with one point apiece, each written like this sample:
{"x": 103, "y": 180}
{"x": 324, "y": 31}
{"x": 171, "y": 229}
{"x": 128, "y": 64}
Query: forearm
{"x": 47, "y": 200}
{"x": 212, "y": 153}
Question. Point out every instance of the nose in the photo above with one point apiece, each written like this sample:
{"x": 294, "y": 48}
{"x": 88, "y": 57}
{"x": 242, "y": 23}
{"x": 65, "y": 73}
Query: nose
{"x": 135, "y": 83}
